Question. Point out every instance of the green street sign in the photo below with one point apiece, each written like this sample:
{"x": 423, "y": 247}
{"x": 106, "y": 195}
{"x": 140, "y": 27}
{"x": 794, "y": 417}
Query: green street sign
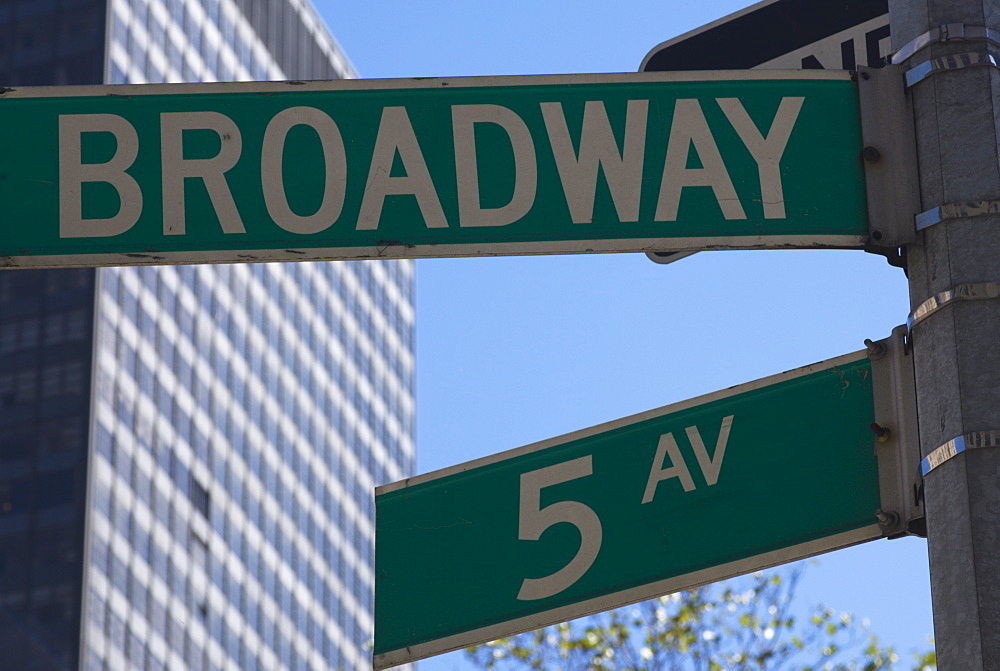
{"x": 756, "y": 475}
{"x": 112, "y": 175}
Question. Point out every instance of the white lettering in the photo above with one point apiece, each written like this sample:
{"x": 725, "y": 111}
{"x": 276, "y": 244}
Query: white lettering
{"x": 470, "y": 210}
{"x": 767, "y": 151}
{"x": 395, "y": 134}
{"x": 73, "y": 173}
{"x": 273, "y": 178}
{"x": 598, "y": 148}
{"x": 678, "y": 469}
{"x": 688, "y": 128}
{"x": 710, "y": 467}
{"x": 210, "y": 170}
{"x": 533, "y": 520}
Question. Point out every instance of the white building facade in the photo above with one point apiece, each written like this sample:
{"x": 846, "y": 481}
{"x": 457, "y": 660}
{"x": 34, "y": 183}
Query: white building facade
{"x": 239, "y": 415}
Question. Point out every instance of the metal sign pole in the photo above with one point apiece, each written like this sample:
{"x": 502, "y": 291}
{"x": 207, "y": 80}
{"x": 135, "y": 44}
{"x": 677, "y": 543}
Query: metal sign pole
{"x": 946, "y": 48}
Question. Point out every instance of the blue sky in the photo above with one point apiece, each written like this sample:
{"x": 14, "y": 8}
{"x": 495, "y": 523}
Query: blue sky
{"x": 515, "y": 350}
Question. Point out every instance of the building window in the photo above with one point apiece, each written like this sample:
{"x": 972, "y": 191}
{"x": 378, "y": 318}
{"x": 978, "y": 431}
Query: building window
{"x": 199, "y": 497}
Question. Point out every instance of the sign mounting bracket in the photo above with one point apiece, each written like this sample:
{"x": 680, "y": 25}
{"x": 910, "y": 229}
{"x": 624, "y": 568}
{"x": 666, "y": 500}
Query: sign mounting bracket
{"x": 890, "y": 160}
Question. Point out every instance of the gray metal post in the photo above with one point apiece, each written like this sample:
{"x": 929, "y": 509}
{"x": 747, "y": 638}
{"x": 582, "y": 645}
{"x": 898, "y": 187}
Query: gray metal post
{"x": 954, "y": 273}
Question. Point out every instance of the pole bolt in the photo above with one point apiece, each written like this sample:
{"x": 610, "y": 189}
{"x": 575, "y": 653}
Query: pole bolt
{"x": 875, "y": 349}
{"x": 881, "y": 433}
{"x": 871, "y": 154}
{"x": 887, "y": 520}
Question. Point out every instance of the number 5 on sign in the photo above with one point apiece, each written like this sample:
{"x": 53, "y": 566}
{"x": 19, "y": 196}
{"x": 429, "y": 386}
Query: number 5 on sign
{"x": 533, "y": 520}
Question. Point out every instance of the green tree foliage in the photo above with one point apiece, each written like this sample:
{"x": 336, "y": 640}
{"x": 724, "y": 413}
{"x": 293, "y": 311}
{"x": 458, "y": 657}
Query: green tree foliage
{"x": 745, "y": 625}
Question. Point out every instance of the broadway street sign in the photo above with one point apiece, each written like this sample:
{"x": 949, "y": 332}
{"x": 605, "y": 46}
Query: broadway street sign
{"x": 423, "y": 168}
{"x": 767, "y": 472}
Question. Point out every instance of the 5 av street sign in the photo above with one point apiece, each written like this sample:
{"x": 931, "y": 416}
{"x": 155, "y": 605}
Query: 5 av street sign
{"x": 756, "y": 475}
{"x": 423, "y": 168}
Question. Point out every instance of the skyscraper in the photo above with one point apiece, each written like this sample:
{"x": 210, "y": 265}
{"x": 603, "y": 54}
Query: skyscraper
{"x": 187, "y": 453}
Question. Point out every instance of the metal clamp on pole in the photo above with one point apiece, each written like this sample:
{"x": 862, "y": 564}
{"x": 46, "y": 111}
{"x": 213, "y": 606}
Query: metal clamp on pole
{"x": 955, "y": 446}
{"x": 976, "y": 208}
{"x": 946, "y": 32}
{"x": 920, "y": 72}
{"x": 963, "y": 292}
